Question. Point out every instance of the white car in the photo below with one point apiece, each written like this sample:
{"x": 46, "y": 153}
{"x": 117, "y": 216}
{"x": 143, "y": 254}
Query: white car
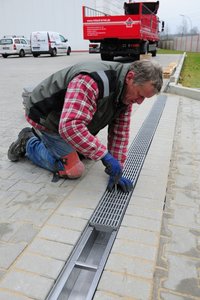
{"x": 14, "y": 45}
{"x": 49, "y": 42}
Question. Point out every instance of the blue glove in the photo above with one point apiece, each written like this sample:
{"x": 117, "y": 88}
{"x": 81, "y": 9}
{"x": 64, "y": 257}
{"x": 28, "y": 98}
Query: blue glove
{"x": 126, "y": 185}
{"x": 113, "y": 167}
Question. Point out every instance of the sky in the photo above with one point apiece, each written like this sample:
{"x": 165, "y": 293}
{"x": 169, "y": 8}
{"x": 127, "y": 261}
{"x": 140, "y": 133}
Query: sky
{"x": 170, "y": 11}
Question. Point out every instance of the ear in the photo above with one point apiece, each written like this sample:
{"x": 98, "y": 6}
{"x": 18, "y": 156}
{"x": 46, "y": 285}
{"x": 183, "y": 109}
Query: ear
{"x": 129, "y": 76}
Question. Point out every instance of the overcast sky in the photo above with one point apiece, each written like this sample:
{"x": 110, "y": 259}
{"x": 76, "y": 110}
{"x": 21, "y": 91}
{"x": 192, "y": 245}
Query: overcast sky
{"x": 170, "y": 11}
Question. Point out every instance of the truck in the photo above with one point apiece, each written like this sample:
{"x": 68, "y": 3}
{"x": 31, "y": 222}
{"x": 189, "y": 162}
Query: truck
{"x": 129, "y": 35}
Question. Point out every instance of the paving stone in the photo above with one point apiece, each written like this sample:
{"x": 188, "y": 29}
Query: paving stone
{"x": 9, "y": 253}
{"x": 169, "y": 296}
{"x": 183, "y": 275}
{"x": 142, "y": 223}
{"x": 12, "y": 296}
{"x": 183, "y": 241}
{"x": 181, "y": 198}
{"x": 58, "y": 234}
{"x": 29, "y": 201}
{"x": 25, "y": 233}
{"x": 152, "y": 188}
{"x": 30, "y": 188}
{"x": 108, "y": 296}
{"x": 7, "y": 230}
{"x": 45, "y": 266}
{"x": 123, "y": 285}
{"x": 68, "y": 209}
{"x": 7, "y": 196}
{"x": 132, "y": 266}
{"x": 185, "y": 182}
{"x": 127, "y": 247}
{"x": 67, "y": 222}
{"x": 50, "y": 248}
{"x": 85, "y": 197}
{"x": 146, "y": 212}
{"x": 34, "y": 216}
{"x": 147, "y": 202}
{"x": 7, "y": 184}
{"x": 30, "y": 285}
{"x": 186, "y": 217}
{"x": 138, "y": 235}
{"x": 7, "y": 212}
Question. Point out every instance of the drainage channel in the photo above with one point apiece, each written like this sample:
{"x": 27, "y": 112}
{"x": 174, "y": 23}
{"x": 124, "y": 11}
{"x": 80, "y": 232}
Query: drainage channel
{"x": 81, "y": 273}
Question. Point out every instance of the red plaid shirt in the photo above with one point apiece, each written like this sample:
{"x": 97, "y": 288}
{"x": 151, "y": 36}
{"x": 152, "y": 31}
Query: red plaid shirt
{"x": 79, "y": 107}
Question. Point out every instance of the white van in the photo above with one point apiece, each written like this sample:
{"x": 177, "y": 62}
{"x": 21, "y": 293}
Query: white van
{"x": 14, "y": 45}
{"x": 49, "y": 42}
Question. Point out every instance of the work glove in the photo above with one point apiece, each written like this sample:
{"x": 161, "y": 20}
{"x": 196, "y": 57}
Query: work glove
{"x": 126, "y": 185}
{"x": 113, "y": 167}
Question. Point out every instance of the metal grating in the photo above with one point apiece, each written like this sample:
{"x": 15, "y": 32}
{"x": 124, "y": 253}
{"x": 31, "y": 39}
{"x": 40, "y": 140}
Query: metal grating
{"x": 111, "y": 208}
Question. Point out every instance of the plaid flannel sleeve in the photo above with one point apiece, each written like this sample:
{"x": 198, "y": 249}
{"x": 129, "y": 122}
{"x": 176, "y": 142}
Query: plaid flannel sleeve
{"x": 118, "y": 135}
{"x": 79, "y": 107}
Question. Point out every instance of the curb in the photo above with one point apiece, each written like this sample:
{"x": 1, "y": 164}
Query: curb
{"x": 174, "y": 87}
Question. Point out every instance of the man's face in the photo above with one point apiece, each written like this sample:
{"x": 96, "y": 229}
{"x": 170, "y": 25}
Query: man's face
{"x": 135, "y": 93}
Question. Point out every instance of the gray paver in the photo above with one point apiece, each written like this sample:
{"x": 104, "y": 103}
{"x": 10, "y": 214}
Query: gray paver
{"x": 12, "y": 296}
{"x": 8, "y": 253}
{"x": 132, "y": 266}
{"x": 25, "y": 283}
{"x": 127, "y": 247}
{"x": 183, "y": 275}
{"x": 138, "y": 235}
{"x": 50, "y": 248}
{"x": 44, "y": 266}
{"x": 124, "y": 285}
{"x": 61, "y": 235}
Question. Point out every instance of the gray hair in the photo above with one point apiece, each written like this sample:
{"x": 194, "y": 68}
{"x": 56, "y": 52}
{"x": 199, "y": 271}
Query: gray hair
{"x": 146, "y": 70}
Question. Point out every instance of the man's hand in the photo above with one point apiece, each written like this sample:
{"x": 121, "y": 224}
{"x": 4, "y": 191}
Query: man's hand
{"x": 113, "y": 167}
{"x": 126, "y": 185}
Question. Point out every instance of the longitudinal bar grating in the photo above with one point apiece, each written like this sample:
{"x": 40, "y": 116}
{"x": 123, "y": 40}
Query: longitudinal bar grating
{"x": 109, "y": 213}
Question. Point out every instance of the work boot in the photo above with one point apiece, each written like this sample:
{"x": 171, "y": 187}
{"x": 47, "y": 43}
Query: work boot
{"x": 17, "y": 149}
{"x": 73, "y": 167}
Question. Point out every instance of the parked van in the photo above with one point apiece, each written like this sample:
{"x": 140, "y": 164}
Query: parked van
{"x": 14, "y": 45}
{"x": 49, "y": 42}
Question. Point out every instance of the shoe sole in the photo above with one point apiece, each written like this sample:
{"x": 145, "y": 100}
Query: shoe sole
{"x": 13, "y": 157}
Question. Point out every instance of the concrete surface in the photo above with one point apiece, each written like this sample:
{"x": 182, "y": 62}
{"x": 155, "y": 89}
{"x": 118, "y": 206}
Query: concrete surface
{"x": 157, "y": 251}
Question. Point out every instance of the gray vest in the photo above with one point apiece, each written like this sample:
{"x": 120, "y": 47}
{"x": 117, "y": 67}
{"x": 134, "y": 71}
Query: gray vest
{"x": 44, "y": 104}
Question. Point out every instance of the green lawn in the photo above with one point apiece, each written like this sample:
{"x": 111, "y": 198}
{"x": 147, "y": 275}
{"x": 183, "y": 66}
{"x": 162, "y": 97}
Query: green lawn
{"x": 190, "y": 73}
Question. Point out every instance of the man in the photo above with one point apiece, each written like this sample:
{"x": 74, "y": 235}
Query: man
{"x": 69, "y": 108}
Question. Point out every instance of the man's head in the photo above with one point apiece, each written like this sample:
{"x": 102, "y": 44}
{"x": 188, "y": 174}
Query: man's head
{"x": 143, "y": 80}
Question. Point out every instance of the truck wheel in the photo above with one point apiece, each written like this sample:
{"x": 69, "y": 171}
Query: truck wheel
{"x": 107, "y": 57}
{"x": 144, "y": 48}
{"x": 53, "y": 52}
{"x": 21, "y": 53}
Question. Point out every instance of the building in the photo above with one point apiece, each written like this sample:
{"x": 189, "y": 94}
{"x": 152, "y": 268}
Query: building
{"x": 22, "y": 17}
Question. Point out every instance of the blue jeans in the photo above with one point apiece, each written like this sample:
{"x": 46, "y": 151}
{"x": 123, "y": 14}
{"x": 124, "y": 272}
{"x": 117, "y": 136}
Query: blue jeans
{"x": 47, "y": 151}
